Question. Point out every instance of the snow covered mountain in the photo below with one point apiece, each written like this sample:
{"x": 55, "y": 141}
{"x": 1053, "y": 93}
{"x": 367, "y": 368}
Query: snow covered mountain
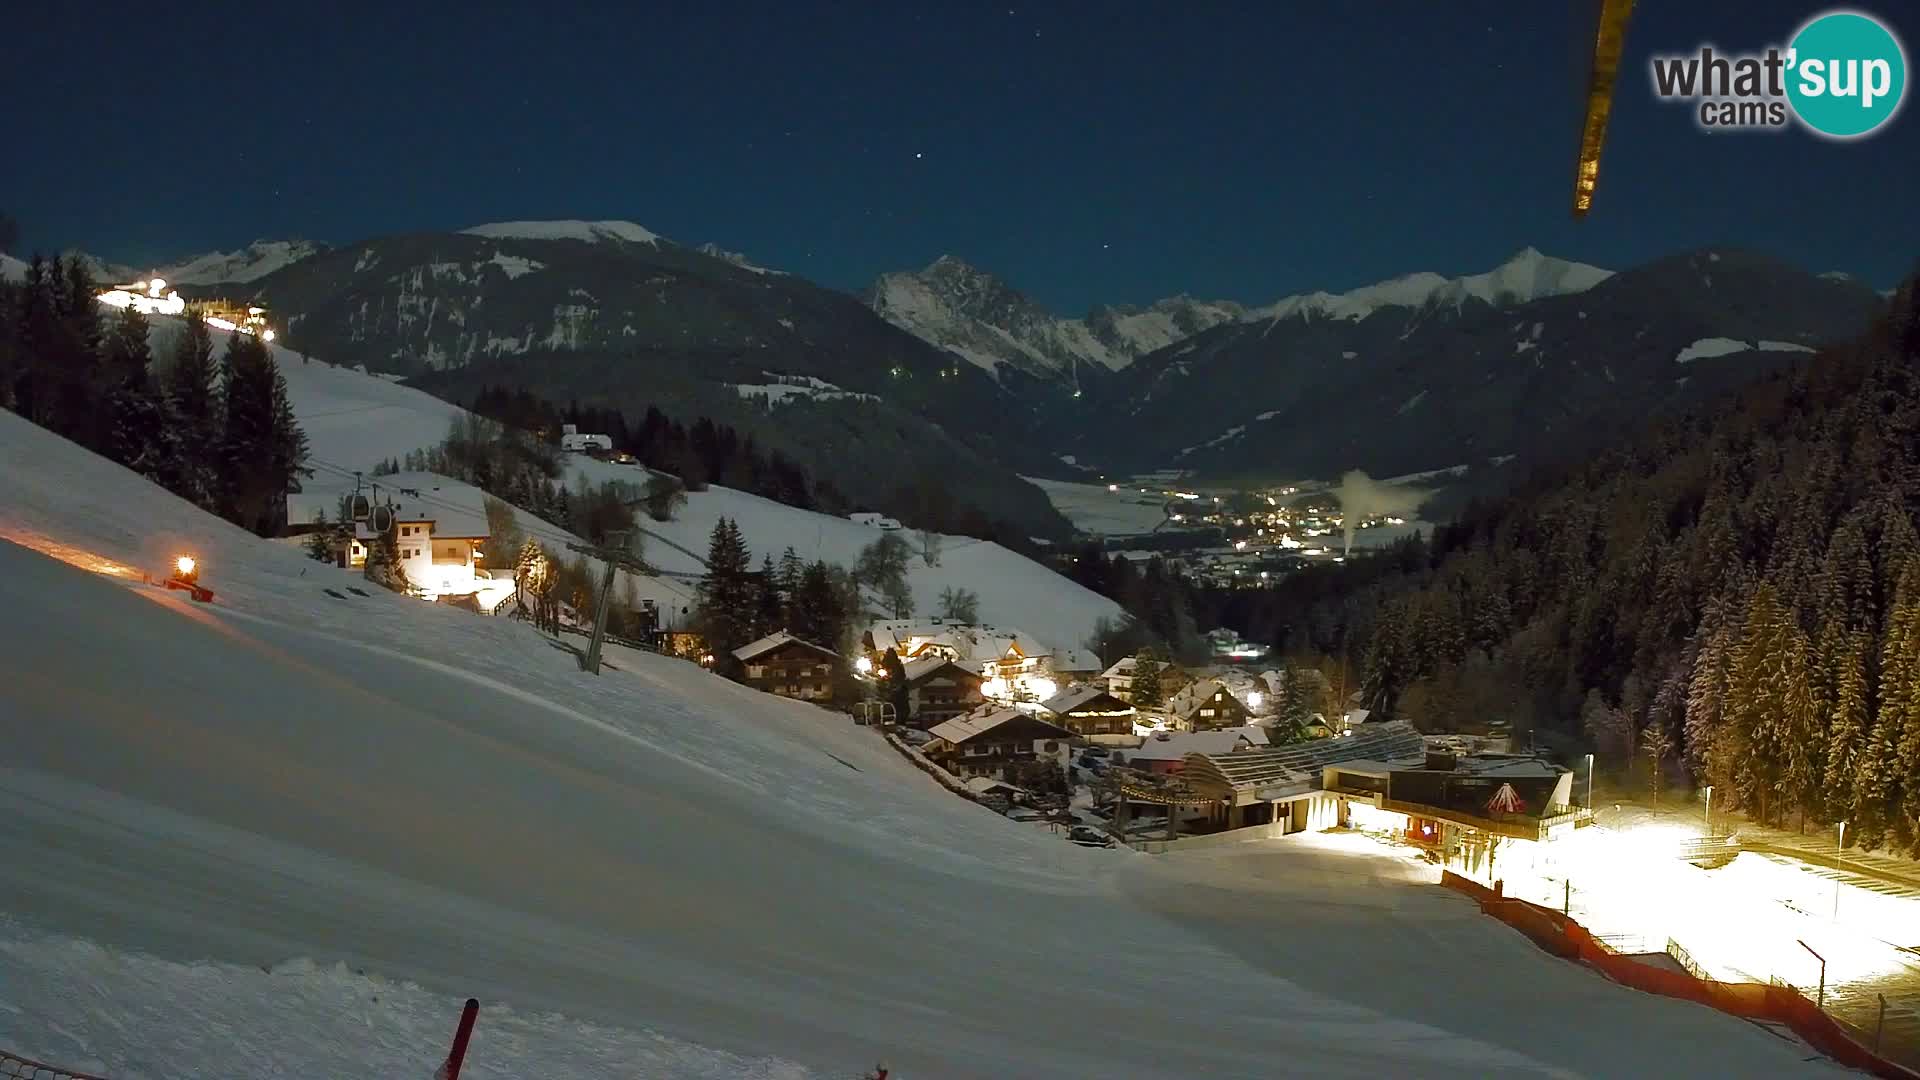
{"x": 255, "y": 261}
{"x": 593, "y": 232}
{"x": 1527, "y": 276}
{"x": 1538, "y": 357}
{"x": 288, "y": 832}
{"x": 975, "y": 315}
{"x": 613, "y": 312}
{"x": 736, "y": 258}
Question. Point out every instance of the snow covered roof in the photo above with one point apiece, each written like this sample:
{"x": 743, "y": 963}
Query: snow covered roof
{"x": 1075, "y": 696}
{"x": 592, "y": 232}
{"x": 1121, "y": 669}
{"x": 1177, "y": 745}
{"x": 961, "y": 728}
{"x": 774, "y": 641}
{"x": 986, "y": 785}
{"x": 1300, "y": 765}
{"x": 1075, "y": 660}
{"x": 915, "y": 670}
{"x": 967, "y": 641}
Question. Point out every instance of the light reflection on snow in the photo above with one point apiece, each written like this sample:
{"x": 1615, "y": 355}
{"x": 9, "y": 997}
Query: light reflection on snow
{"x": 66, "y": 553}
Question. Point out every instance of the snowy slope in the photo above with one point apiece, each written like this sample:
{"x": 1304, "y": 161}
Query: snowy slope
{"x": 1013, "y": 589}
{"x": 354, "y": 420}
{"x": 247, "y": 804}
{"x": 256, "y": 260}
{"x": 12, "y": 269}
{"x": 1529, "y": 275}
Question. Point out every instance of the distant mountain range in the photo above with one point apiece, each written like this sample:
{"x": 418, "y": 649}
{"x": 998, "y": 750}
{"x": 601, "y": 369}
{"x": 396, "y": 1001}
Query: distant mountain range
{"x": 975, "y": 315}
{"x": 950, "y": 378}
{"x": 1539, "y": 357}
{"x": 610, "y": 313}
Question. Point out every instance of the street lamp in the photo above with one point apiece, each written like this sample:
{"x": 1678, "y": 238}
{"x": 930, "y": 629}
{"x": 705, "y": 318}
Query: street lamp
{"x": 1837, "y": 846}
{"x": 1590, "y": 785}
{"x": 1709, "y": 809}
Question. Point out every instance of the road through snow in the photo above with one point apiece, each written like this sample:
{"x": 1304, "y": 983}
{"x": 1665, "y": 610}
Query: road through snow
{"x": 246, "y": 804}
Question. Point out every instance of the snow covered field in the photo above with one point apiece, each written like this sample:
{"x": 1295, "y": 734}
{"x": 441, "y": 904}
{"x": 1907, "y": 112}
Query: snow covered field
{"x": 214, "y": 818}
{"x": 1092, "y": 508}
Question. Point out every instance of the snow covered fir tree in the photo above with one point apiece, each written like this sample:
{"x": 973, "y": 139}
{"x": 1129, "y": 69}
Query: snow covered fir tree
{"x": 219, "y": 434}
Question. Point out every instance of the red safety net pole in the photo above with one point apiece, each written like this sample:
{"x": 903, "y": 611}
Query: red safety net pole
{"x": 451, "y": 1069}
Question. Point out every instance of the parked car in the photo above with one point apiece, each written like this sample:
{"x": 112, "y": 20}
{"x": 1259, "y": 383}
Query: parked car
{"x": 1088, "y": 836}
{"x": 1096, "y": 750}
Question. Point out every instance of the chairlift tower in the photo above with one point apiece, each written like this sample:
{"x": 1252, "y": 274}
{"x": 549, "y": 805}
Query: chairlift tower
{"x": 614, "y": 559}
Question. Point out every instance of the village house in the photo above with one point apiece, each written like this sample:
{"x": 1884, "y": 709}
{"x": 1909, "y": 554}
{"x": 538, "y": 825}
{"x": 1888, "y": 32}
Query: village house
{"x": 1014, "y": 666}
{"x": 574, "y": 441}
{"x": 1119, "y": 678}
{"x": 994, "y": 742}
{"x": 1090, "y": 711}
{"x": 1206, "y": 704}
{"x": 939, "y": 689}
{"x": 785, "y": 665}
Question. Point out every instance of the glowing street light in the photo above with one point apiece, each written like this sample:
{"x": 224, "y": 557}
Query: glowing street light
{"x": 863, "y": 665}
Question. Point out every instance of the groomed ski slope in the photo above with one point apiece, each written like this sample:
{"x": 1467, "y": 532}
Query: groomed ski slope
{"x": 214, "y": 818}
{"x": 354, "y": 420}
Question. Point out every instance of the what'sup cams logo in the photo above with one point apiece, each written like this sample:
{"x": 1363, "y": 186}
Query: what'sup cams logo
{"x": 1843, "y": 75}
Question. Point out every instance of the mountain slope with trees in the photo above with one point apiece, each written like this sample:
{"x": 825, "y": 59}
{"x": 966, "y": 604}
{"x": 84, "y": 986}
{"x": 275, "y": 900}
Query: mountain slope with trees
{"x": 626, "y": 321}
{"x": 1735, "y": 596}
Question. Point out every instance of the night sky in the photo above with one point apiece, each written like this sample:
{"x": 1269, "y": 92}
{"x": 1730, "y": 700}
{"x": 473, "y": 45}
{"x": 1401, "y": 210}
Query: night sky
{"x": 1087, "y": 153}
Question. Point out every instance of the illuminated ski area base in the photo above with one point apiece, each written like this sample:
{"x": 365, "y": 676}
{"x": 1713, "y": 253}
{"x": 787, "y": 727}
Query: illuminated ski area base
{"x": 286, "y": 834}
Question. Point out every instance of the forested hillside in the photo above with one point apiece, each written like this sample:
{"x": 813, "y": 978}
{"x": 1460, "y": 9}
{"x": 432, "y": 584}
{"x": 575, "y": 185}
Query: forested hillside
{"x": 1735, "y": 594}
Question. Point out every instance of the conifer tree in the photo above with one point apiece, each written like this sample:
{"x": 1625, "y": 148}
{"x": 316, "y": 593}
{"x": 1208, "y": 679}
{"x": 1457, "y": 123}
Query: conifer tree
{"x": 815, "y": 614}
{"x": 136, "y": 425}
{"x": 770, "y": 613}
{"x": 1847, "y": 722}
{"x": 1146, "y": 687}
{"x": 727, "y": 600}
{"x": 1706, "y": 696}
{"x": 193, "y": 411}
{"x": 1657, "y": 743}
{"x": 246, "y": 445}
{"x": 1751, "y": 744}
{"x": 1800, "y": 731}
{"x": 787, "y": 579}
{"x": 320, "y": 540}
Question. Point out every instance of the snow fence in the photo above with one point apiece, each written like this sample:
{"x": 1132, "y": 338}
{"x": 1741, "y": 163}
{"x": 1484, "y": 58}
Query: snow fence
{"x": 11, "y": 1066}
{"x": 1776, "y": 1002}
